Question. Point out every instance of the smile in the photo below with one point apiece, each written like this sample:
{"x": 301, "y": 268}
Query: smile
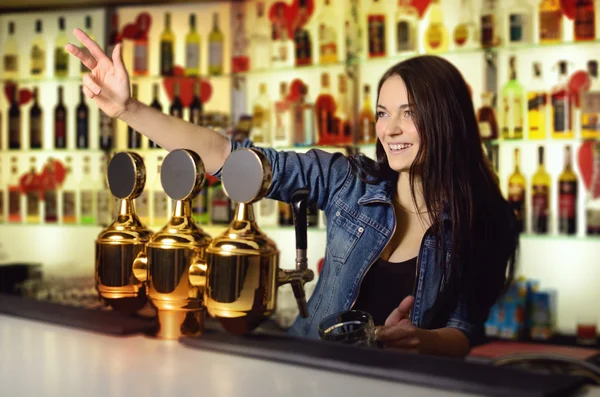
{"x": 399, "y": 147}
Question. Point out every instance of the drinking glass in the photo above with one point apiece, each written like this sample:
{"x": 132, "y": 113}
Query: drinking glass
{"x": 352, "y": 327}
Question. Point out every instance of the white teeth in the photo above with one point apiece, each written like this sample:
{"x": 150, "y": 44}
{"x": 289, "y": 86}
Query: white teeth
{"x": 399, "y": 146}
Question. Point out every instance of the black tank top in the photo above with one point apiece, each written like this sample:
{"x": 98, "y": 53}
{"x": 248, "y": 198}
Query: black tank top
{"x": 385, "y": 285}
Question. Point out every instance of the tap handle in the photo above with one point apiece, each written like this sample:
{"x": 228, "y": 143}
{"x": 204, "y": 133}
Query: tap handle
{"x": 299, "y": 206}
{"x": 299, "y": 294}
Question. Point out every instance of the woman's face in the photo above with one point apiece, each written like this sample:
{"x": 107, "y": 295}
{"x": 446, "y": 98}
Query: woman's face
{"x": 396, "y": 125}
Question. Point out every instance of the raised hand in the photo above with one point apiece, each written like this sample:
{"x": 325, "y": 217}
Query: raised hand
{"x": 107, "y": 83}
{"x": 398, "y": 331}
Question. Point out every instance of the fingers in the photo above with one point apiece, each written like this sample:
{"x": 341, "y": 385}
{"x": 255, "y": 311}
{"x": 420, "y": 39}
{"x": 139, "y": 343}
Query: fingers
{"x": 402, "y": 311}
{"x": 90, "y": 44}
{"x": 90, "y": 84}
{"x": 88, "y": 93}
{"x": 83, "y": 54}
{"x": 117, "y": 58}
{"x": 400, "y": 331}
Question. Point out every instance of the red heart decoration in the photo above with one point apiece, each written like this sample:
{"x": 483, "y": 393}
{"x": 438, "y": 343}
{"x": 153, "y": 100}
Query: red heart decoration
{"x": 585, "y": 160}
{"x": 294, "y": 93}
{"x": 568, "y": 8}
{"x": 144, "y": 22}
{"x": 421, "y": 6}
{"x": 130, "y": 31}
{"x": 25, "y": 95}
{"x": 52, "y": 175}
{"x": 579, "y": 82}
{"x": 286, "y": 15}
{"x": 186, "y": 87}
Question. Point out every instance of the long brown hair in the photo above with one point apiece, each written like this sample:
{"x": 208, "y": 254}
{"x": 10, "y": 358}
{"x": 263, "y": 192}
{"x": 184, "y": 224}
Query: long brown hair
{"x": 456, "y": 179}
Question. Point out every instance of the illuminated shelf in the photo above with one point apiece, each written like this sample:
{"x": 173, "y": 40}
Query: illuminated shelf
{"x": 50, "y": 225}
{"x": 559, "y": 238}
{"x": 572, "y": 141}
{"x": 532, "y": 46}
{"x": 39, "y": 80}
{"x": 294, "y": 69}
{"x": 32, "y": 152}
{"x": 158, "y": 78}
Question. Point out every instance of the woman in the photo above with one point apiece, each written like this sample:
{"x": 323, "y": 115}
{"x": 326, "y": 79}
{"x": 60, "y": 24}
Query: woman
{"x": 421, "y": 237}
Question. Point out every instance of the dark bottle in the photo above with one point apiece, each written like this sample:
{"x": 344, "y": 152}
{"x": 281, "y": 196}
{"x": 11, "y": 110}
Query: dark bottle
{"x": 176, "y": 109}
{"x": 134, "y": 138}
{"x": 196, "y": 105}
{"x": 567, "y": 197}
{"x": 14, "y": 122}
{"x": 60, "y": 122}
{"x": 35, "y": 123}
{"x": 82, "y": 122}
{"x": 158, "y": 106}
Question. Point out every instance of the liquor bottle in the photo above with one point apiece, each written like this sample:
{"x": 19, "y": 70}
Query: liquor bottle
{"x": 195, "y": 110}
{"x": 50, "y": 193}
{"x": 87, "y": 195}
{"x": 88, "y": 31}
{"x": 465, "y": 33}
{"x": 584, "y": 27}
{"x": 407, "y": 27}
{"x": 376, "y": 29}
{"x": 486, "y": 117}
{"x": 240, "y": 59}
{"x": 113, "y": 37}
{"x": 562, "y": 105}
{"x": 141, "y": 50}
{"x": 537, "y": 100}
{"x": 14, "y": 194}
{"x": 519, "y": 22}
{"x": 68, "y": 196}
{"x": 285, "y": 214}
{"x": 107, "y": 123}
{"x": 104, "y": 198}
{"x": 436, "y": 34}
{"x": 82, "y": 122}
{"x": 220, "y": 205}
{"x": 366, "y": 119}
{"x": 517, "y": 193}
{"x": 61, "y": 56}
{"x": 192, "y": 49}
{"x": 304, "y": 119}
{"x": 551, "y": 21}
{"x": 176, "y": 109}
{"x": 215, "y": 48}
{"x": 540, "y": 201}
{"x": 32, "y": 195}
{"x": 512, "y": 105}
{"x": 325, "y": 108}
{"x": 353, "y": 33}
{"x": 302, "y": 40}
{"x": 36, "y": 123}
{"x": 283, "y": 123}
{"x": 200, "y": 207}
{"x": 268, "y": 212}
{"x": 344, "y": 112}
{"x": 38, "y": 52}
{"x": 590, "y": 105}
{"x": 592, "y": 206}
{"x": 261, "y": 117}
{"x": 283, "y": 53}
{"x": 159, "y": 201}
{"x": 260, "y": 43}
{"x": 14, "y": 121}
{"x": 327, "y": 34}
{"x": 158, "y": 106}
{"x": 134, "y": 138}
{"x": 142, "y": 204}
{"x": 11, "y": 54}
{"x": 490, "y": 24}
{"x": 567, "y": 197}
{"x": 60, "y": 122}
{"x": 167, "y": 48}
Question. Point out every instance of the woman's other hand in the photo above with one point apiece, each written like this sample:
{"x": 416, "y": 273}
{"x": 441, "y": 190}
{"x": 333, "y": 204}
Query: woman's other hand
{"x": 398, "y": 332}
{"x": 108, "y": 82}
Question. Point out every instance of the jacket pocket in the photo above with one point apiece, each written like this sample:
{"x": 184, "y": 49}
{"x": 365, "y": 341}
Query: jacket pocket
{"x": 345, "y": 233}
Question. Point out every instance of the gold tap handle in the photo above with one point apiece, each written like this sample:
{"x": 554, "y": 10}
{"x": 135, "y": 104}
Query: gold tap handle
{"x": 297, "y": 279}
{"x": 197, "y": 273}
{"x": 140, "y": 267}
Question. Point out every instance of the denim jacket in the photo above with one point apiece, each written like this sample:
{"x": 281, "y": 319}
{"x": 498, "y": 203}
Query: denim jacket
{"x": 360, "y": 223}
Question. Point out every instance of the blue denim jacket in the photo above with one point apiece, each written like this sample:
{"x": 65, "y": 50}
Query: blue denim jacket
{"x": 360, "y": 223}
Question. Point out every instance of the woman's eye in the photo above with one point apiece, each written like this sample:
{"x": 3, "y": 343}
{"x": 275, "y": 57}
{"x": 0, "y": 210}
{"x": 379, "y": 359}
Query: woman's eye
{"x": 408, "y": 113}
{"x": 380, "y": 114}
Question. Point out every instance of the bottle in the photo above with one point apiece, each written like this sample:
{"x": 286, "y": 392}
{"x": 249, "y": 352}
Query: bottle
{"x": 104, "y": 198}
{"x": 489, "y": 22}
{"x": 220, "y": 205}
{"x": 325, "y": 111}
{"x": 160, "y": 200}
{"x": 304, "y": 119}
{"x": 283, "y": 53}
{"x": 562, "y": 105}
{"x": 366, "y": 119}
{"x": 567, "y": 197}
{"x": 537, "y": 100}
{"x": 142, "y": 204}
{"x": 283, "y": 122}
{"x": 486, "y": 117}
{"x": 215, "y": 48}
{"x": 268, "y": 212}
{"x": 590, "y": 105}
{"x": 464, "y": 35}
{"x": 36, "y": 123}
{"x": 592, "y": 209}
{"x": 32, "y": 195}
{"x": 551, "y": 24}
{"x": 327, "y": 34}
{"x": 106, "y": 123}
{"x": 14, "y": 121}
{"x": 407, "y": 27}
{"x": 176, "y": 109}
{"x": 88, "y": 31}
{"x": 68, "y": 195}
{"x": 540, "y": 201}
{"x": 302, "y": 40}
{"x": 50, "y": 193}
{"x": 200, "y": 207}
{"x": 38, "y": 52}
{"x": 60, "y": 122}
{"x": 87, "y": 195}
{"x": 113, "y": 37}
{"x": 11, "y": 54}
{"x": 158, "y": 106}
{"x": 14, "y": 194}
{"x": 344, "y": 112}
{"x": 353, "y": 33}
{"x": 192, "y": 49}
{"x": 141, "y": 50}
{"x": 436, "y": 34}
{"x": 261, "y": 117}
{"x": 519, "y": 22}
{"x": 167, "y": 48}
{"x": 584, "y": 26}
{"x": 134, "y": 138}
{"x": 82, "y": 122}
{"x": 61, "y": 56}
{"x": 376, "y": 29}
{"x": 240, "y": 60}
{"x": 512, "y": 105}
{"x": 516, "y": 192}
{"x": 260, "y": 43}
{"x": 195, "y": 110}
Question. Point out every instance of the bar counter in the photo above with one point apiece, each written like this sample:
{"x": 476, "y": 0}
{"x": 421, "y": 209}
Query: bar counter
{"x": 42, "y": 359}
